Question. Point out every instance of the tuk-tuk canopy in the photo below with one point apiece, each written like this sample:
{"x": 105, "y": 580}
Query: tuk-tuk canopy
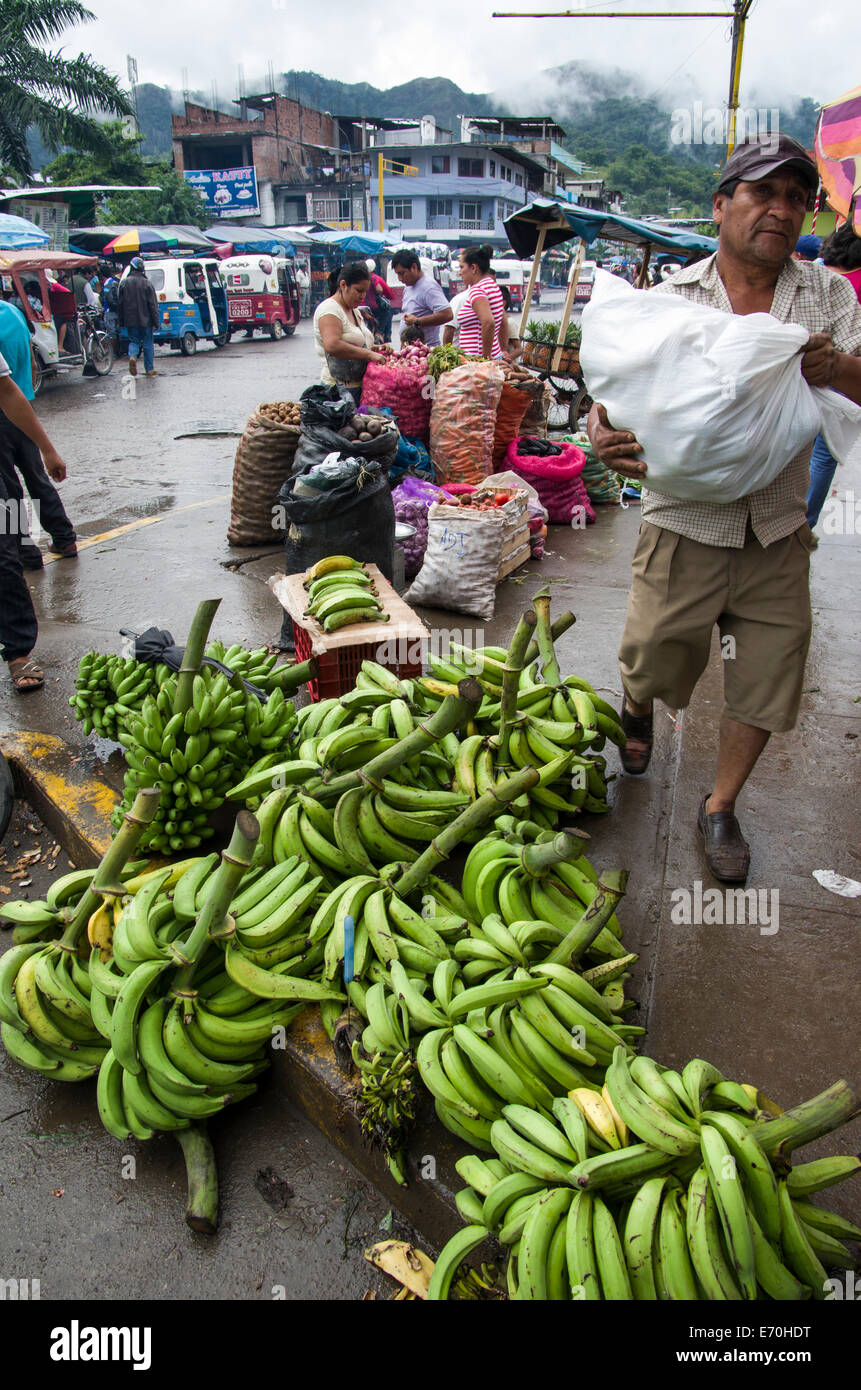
{"x": 37, "y": 259}
{"x": 249, "y": 241}
{"x": 564, "y": 221}
{"x": 17, "y": 233}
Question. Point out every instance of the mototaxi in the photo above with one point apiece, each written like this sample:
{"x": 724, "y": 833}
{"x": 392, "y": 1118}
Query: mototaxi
{"x": 261, "y": 293}
{"x": 192, "y": 301}
{"x": 18, "y": 272}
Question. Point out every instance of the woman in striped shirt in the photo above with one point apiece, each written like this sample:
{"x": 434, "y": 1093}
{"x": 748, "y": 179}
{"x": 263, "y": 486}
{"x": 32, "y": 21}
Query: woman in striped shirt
{"x": 481, "y": 317}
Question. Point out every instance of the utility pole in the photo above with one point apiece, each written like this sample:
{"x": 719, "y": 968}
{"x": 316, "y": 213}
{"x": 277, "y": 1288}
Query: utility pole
{"x": 739, "y": 14}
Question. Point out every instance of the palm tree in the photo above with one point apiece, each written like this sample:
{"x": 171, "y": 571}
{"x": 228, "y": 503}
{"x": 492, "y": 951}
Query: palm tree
{"x": 57, "y": 95}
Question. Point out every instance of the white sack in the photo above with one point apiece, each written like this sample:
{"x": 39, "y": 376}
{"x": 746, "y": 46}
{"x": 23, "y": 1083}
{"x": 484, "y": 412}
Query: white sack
{"x": 717, "y": 400}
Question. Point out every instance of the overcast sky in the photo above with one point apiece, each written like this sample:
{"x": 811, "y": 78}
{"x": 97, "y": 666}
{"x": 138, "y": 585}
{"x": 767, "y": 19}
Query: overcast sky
{"x": 792, "y": 47}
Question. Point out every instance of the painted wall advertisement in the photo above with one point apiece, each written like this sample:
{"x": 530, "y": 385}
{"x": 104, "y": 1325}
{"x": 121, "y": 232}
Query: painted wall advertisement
{"x": 226, "y": 192}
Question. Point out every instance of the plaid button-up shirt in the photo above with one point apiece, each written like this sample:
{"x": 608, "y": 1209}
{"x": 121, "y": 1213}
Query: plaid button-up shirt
{"x": 820, "y": 300}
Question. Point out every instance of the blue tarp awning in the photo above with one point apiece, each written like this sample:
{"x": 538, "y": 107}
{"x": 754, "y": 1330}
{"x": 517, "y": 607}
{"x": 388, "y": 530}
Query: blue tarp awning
{"x": 17, "y": 234}
{"x": 361, "y": 243}
{"x": 563, "y": 221}
{"x": 248, "y": 241}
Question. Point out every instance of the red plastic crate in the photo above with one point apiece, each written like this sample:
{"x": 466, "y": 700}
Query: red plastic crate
{"x": 337, "y": 670}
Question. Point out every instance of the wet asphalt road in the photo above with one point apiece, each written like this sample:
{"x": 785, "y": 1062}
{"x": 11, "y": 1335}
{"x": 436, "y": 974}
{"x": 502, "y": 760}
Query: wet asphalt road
{"x": 775, "y": 1008}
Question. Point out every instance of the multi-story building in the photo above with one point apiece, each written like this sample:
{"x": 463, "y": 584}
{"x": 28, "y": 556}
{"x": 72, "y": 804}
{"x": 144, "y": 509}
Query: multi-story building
{"x": 462, "y": 187}
{"x": 309, "y": 165}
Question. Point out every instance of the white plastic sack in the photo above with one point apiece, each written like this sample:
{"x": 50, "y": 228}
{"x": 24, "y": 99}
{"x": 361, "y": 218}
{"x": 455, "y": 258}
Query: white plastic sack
{"x": 717, "y": 400}
{"x": 461, "y": 561}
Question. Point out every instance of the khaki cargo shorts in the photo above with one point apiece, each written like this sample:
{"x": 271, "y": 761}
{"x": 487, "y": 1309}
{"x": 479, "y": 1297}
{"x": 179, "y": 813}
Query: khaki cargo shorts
{"x": 759, "y": 597}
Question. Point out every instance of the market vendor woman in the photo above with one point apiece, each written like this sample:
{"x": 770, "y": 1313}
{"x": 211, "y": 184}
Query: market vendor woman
{"x": 343, "y": 338}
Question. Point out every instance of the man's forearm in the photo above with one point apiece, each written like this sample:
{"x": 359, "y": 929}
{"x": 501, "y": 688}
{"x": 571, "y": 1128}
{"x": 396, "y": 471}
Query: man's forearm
{"x": 431, "y": 320}
{"x": 847, "y": 378}
{"x": 17, "y": 408}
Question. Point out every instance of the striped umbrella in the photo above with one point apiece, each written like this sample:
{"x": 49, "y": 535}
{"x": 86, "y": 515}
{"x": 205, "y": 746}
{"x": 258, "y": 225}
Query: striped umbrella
{"x": 838, "y": 155}
{"x": 138, "y": 239}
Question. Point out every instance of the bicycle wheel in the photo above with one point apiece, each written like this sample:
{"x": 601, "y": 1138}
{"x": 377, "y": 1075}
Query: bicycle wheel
{"x": 558, "y": 410}
{"x": 100, "y": 353}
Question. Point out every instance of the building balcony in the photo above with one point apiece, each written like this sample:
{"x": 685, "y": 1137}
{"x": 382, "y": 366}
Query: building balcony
{"x": 461, "y": 224}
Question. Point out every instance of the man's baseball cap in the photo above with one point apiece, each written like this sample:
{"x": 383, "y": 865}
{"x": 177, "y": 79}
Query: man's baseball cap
{"x": 755, "y": 159}
{"x": 809, "y": 246}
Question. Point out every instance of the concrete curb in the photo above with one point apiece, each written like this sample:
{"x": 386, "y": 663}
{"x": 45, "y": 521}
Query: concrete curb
{"x": 75, "y": 805}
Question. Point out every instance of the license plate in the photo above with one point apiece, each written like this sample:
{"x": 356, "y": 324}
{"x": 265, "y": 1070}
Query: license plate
{"x": 240, "y": 309}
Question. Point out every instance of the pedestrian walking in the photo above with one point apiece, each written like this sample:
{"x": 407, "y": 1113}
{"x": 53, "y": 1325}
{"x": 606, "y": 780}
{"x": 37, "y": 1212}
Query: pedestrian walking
{"x": 19, "y": 455}
{"x": 18, "y": 625}
{"x": 743, "y": 565}
{"x": 138, "y": 315}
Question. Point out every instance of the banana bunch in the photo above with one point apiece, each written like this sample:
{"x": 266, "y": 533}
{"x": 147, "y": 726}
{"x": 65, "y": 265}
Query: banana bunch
{"x": 111, "y": 689}
{"x": 260, "y": 667}
{"x": 194, "y": 756}
{"x": 698, "y": 1210}
{"x": 341, "y": 592}
{"x": 386, "y": 1105}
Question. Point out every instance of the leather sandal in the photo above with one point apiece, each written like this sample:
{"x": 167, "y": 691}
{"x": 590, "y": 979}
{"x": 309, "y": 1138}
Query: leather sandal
{"x": 727, "y": 851}
{"x": 639, "y": 727}
{"x": 26, "y": 675}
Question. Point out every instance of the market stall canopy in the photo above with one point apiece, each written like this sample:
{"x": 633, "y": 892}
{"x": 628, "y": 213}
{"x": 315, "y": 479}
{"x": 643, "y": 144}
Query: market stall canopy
{"x": 36, "y": 259}
{"x": 838, "y": 155}
{"x": 563, "y": 221}
{"x": 94, "y": 239}
{"x": 361, "y": 243}
{"x": 17, "y": 233}
{"x": 248, "y": 241}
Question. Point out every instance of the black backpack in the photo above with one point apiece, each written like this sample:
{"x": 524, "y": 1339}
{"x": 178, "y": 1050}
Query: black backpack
{"x": 112, "y": 296}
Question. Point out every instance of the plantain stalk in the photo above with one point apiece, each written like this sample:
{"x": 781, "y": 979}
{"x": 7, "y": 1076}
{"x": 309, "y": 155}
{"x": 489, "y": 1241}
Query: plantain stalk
{"x": 193, "y": 655}
{"x": 476, "y": 815}
{"x": 807, "y": 1121}
{"x": 453, "y": 711}
{"x": 561, "y": 625}
{"x": 293, "y": 676}
{"x": 510, "y": 683}
{"x": 201, "y": 1213}
{"x": 539, "y": 859}
{"x": 107, "y": 880}
{"x": 214, "y": 921}
{"x": 611, "y": 890}
{"x": 544, "y": 638}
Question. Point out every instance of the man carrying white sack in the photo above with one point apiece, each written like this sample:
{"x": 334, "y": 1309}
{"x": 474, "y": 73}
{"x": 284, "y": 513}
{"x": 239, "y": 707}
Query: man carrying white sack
{"x": 742, "y": 565}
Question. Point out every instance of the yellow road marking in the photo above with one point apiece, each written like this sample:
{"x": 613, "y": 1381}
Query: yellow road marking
{"x": 136, "y": 525}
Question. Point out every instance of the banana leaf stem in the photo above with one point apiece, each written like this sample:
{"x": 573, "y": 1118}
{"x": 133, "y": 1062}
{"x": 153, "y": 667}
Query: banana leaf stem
{"x": 454, "y": 711}
{"x": 511, "y": 680}
{"x": 193, "y": 655}
{"x": 214, "y": 921}
{"x": 201, "y": 1213}
{"x": 544, "y": 638}
{"x": 107, "y": 880}
{"x": 538, "y": 859}
{"x": 476, "y": 815}
{"x": 807, "y": 1121}
{"x": 611, "y": 890}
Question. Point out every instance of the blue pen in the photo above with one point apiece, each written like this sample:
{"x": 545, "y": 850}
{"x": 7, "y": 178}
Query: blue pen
{"x": 349, "y": 942}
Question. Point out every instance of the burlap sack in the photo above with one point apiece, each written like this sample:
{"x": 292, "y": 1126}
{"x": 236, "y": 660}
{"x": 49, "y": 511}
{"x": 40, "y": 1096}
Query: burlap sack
{"x": 264, "y": 460}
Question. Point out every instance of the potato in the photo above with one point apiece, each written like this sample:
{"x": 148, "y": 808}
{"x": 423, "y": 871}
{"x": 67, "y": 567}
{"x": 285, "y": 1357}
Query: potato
{"x": 364, "y": 437}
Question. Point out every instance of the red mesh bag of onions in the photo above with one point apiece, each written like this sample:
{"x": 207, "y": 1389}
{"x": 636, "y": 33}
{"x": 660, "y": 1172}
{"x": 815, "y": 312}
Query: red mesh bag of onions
{"x": 402, "y": 383}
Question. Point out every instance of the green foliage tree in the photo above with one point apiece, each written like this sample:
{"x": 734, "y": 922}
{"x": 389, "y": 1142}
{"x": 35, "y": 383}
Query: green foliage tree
{"x": 119, "y": 162}
{"x": 173, "y": 201}
{"x": 58, "y": 96}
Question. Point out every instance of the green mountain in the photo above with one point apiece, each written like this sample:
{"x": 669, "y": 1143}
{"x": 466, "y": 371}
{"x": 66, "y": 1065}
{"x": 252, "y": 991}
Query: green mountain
{"x": 610, "y": 125}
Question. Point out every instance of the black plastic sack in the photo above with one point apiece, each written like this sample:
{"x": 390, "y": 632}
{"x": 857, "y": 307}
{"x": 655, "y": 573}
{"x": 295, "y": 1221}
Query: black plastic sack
{"x": 356, "y": 518}
{"x": 326, "y": 405}
{"x": 316, "y": 442}
{"x": 157, "y": 645}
